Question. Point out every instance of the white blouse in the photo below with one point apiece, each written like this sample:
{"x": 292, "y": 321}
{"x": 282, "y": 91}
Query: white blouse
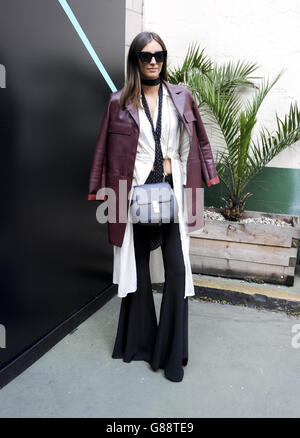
{"x": 175, "y": 144}
{"x": 170, "y": 137}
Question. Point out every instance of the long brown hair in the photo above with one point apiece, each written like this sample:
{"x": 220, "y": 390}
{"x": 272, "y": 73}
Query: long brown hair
{"x": 131, "y": 91}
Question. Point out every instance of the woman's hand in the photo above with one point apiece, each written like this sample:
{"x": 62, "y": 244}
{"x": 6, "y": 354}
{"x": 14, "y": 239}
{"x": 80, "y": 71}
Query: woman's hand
{"x": 167, "y": 165}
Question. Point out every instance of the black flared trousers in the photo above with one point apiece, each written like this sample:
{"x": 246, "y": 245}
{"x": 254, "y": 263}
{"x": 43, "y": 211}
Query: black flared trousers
{"x": 139, "y": 337}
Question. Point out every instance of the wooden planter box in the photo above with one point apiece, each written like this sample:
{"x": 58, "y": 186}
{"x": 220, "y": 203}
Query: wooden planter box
{"x": 250, "y": 251}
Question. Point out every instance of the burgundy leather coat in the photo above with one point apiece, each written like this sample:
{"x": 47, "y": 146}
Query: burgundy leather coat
{"x": 116, "y": 147}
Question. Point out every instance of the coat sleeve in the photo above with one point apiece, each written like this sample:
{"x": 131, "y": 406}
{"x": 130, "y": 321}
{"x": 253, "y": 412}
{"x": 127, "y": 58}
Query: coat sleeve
{"x": 209, "y": 171}
{"x": 98, "y": 168}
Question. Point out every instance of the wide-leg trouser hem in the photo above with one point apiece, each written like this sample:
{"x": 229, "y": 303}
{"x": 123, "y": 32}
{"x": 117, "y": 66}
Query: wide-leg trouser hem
{"x": 138, "y": 336}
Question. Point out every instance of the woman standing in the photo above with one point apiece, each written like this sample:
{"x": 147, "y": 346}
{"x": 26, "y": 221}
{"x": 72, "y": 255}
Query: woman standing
{"x": 152, "y": 129}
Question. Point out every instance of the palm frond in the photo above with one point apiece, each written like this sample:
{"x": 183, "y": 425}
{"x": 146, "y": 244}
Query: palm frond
{"x": 252, "y": 107}
{"x": 195, "y": 59}
{"x": 217, "y": 90}
{"x": 224, "y": 111}
{"x": 270, "y": 145}
{"x": 229, "y": 76}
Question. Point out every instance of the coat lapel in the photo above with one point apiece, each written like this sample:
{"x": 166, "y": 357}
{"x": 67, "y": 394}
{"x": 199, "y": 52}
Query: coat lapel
{"x": 177, "y": 97}
{"x": 134, "y": 113}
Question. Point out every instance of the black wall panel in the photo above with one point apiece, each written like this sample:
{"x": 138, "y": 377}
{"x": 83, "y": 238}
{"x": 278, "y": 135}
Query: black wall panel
{"x": 55, "y": 256}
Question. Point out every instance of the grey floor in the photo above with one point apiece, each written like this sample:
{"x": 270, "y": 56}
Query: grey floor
{"x": 241, "y": 364}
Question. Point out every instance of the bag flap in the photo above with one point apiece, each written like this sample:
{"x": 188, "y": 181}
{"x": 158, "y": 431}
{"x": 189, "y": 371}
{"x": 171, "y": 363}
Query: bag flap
{"x": 146, "y": 193}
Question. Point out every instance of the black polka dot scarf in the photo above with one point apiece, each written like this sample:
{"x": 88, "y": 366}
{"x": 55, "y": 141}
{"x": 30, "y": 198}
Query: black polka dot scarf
{"x": 155, "y": 232}
{"x": 158, "y": 163}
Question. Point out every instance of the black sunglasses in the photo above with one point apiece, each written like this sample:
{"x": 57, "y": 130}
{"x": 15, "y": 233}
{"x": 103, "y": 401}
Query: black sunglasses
{"x": 146, "y": 57}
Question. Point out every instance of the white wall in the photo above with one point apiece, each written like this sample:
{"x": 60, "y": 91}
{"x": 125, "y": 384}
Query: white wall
{"x": 134, "y": 22}
{"x": 263, "y": 31}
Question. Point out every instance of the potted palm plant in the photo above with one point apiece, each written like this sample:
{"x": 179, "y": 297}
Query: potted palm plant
{"x": 253, "y": 245}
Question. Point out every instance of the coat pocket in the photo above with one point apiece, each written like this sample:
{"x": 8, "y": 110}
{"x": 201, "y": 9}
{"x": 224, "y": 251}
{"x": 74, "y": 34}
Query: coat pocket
{"x": 119, "y": 139}
{"x": 120, "y": 128}
{"x": 189, "y": 116}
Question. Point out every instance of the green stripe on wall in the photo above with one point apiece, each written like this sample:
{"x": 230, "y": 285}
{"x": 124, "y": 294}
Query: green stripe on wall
{"x": 274, "y": 190}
